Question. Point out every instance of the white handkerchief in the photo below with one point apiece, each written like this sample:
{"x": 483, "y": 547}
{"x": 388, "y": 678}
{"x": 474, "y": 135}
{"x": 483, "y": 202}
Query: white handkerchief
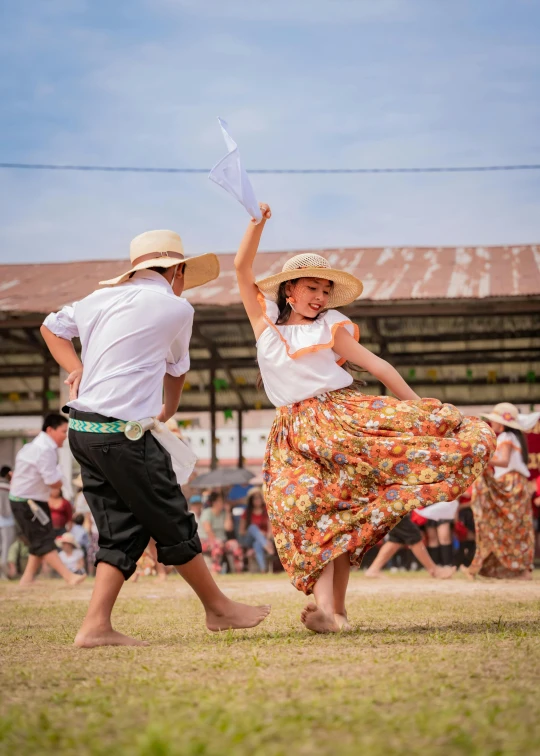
{"x": 183, "y": 457}
{"x": 528, "y": 422}
{"x": 442, "y": 510}
{"x": 230, "y": 175}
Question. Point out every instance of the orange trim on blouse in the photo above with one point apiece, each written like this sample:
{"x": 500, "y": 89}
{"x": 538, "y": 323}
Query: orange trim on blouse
{"x": 309, "y": 349}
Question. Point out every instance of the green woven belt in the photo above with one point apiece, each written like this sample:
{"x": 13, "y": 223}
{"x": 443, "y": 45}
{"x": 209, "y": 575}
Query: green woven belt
{"x": 16, "y": 498}
{"x": 117, "y": 426}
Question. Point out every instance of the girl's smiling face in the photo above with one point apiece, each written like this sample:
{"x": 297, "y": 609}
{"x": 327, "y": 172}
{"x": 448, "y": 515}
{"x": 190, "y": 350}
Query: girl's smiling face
{"x": 308, "y": 296}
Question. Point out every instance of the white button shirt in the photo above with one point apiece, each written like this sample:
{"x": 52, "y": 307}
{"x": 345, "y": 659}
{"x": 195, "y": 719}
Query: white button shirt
{"x": 36, "y": 469}
{"x": 131, "y": 335}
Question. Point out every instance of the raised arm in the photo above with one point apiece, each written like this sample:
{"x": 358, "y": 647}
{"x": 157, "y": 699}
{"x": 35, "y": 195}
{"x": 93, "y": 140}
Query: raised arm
{"x": 243, "y": 262}
{"x": 352, "y": 351}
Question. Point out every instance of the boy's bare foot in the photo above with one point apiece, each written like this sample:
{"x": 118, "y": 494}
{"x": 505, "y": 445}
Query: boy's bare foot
{"x": 373, "y": 573}
{"x": 443, "y": 573}
{"x": 342, "y": 621}
{"x": 95, "y": 638}
{"x": 235, "y": 616}
{"x": 318, "y": 621}
{"x": 465, "y": 571}
{"x": 76, "y": 580}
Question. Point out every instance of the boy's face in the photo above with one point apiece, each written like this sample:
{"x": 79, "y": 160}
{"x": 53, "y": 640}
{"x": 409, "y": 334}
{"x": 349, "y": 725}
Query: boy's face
{"x": 59, "y": 434}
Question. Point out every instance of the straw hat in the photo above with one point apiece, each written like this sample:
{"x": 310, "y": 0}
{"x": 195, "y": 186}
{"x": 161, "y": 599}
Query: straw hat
{"x": 69, "y": 539}
{"x": 345, "y": 290}
{"x": 505, "y": 414}
{"x": 164, "y": 249}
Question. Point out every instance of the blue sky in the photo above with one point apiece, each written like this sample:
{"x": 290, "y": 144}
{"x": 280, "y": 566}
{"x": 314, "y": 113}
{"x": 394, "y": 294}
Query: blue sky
{"x": 302, "y": 83}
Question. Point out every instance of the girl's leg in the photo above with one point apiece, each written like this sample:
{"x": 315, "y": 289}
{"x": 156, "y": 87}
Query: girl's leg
{"x": 386, "y": 552}
{"x": 342, "y": 571}
{"x": 444, "y": 534}
{"x": 319, "y": 617}
{"x": 233, "y": 548}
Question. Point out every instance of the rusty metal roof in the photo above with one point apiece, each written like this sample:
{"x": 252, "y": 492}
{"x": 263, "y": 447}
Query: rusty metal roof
{"x": 392, "y": 273}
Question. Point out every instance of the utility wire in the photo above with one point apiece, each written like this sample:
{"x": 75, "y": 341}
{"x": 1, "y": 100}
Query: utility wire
{"x": 142, "y": 169}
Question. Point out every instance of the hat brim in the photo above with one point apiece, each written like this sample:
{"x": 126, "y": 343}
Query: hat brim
{"x": 198, "y": 270}
{"x": 346, "y": 289}
{"x": 499, "y": 419}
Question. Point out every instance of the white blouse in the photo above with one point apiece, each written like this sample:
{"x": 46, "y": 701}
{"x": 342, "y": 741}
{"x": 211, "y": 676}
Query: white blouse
{"x": 297, "y": 362}
{"x": 515, "y": 463}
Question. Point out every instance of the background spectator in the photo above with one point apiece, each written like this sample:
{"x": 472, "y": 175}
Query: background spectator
{"x": 7, "y": 521}
{"x": 61, "y": 511}
{"x": 71, "y": 555}
{"x": 214, "y": 526}
{"x": 17, "y": 558}
{"x": 255, "y": 530}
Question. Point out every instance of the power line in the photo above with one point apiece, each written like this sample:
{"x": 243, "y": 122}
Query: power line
{"x": 143, "y": 169}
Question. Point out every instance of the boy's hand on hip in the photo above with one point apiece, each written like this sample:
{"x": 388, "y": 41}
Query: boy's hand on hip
{"x": 74, "y": 381}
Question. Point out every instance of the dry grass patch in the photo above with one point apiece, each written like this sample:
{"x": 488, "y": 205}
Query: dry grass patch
{"x": 439, "y": 668}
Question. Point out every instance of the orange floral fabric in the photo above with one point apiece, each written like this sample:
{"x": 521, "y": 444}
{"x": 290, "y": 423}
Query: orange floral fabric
{"x": 343, "y": 468}
{"x": 503, "y": 521}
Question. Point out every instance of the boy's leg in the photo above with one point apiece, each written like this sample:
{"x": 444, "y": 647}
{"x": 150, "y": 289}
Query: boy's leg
{"x": 221, "y": 612}
{"x": 320, "y": 617}
{"x": 96, "y": 629}
{"x": 54, "y": 561}
{"x": 386, "y": 552}
{"x": 31, "y": 569}
{"x": 421, "y": 553}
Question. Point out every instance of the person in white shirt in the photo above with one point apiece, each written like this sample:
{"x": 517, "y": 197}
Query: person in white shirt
{"x": 502, "y": 504}
{"x": 135, "y": 350}
{"x": 341, "y": 467}
{"x": 71, "y": 555}
{"x": 37, "y": 470}
{"x": 7, "y": 521}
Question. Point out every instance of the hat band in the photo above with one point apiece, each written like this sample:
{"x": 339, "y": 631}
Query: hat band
{"x": 157, "y": 256}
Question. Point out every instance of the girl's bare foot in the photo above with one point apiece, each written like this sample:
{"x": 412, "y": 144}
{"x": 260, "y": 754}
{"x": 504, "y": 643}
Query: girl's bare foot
{"x": 318, "y": 620}
{"x": 342, "y": 621}
{"x": 465, "y": 571}
{"x": 525, "y": 576}
{"x": 443, "y": 573}
{"x": 235, "y": 616}
{"x": 94, "y": 638}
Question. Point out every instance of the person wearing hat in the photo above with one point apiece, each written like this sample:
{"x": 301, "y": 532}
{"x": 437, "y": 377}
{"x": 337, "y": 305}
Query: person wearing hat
{"x": 501, "y": 502}
{"x": 341, "y": 467}
{"x": 135, "y": 334}
{"x": 71, "y": 555}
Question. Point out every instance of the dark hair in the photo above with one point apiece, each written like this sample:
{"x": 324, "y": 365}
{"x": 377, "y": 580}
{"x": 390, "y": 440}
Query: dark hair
{"x": 250, "y": 507}
{"x": 284, "y": 307}
{"x": 213, "y": 497}
{"x": 522, "y": 441}
{"x": 78, "y": 519}
{"x": 54, "y": 420}
{"x": 5, "y": 471}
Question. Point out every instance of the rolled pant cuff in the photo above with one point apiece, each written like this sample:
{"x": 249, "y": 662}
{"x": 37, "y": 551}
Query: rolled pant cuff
{"x": 180, "y": 553}
{"x": 118, "y": 559}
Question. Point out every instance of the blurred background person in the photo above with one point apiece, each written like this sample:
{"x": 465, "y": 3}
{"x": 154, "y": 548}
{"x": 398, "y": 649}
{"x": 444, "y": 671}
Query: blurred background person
{"x": 215, "y": 526}
{"x": 502, "y": 506}
{"x": 71, "y": 554}
{"x": 61, "y": 511}
{"x": 7, "y": 521}
{"x": 255, "y": 529}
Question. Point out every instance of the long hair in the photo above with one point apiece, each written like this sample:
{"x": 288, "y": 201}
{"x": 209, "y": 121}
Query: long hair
{"x": 250, "y": 506}
{"x": 522, "y": 441}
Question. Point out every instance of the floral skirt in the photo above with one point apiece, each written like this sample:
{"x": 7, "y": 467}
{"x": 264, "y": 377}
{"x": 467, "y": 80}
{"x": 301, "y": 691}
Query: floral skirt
{"x": 504, "y": 526}
{"x": 343, "y": 468}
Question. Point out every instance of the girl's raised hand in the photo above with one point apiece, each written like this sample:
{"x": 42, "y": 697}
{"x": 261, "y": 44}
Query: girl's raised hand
{"x": 266, "y": 212}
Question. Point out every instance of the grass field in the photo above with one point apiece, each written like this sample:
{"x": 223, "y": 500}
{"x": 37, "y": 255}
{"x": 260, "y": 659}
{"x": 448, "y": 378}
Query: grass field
{"x": 433, "y": 668}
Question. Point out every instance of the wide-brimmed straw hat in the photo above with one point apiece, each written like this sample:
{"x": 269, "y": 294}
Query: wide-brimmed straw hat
{"x": 345, "y": 290}
{"x": 505, "y": 414}
{"x": 164, "y": 249}
{"x": 69, "y": 539}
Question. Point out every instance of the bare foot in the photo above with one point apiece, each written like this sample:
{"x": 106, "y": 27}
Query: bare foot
{"x": 373, "y": 573}
{"x": 95, "y": 638}
{"x": 235, "y": 616}
{"x": 465, "y": 571}
{"x": 342, "y": 621}
{"x": 161, "y": 577}
{"x": 443, "y": 573}
{"x": 525, "y": 576}
{"x": 75, "y": 580}
{"x": 269, "y": 548}
{"x": 318, "y": 621}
